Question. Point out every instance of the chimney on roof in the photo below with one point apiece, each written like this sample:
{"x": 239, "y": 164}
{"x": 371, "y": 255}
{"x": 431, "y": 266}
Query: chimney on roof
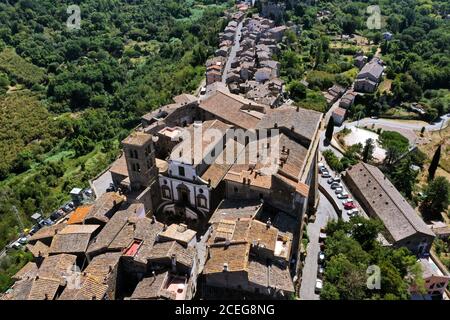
{"x": 225, "y": 267}
{"x": 288, "y": 150}
{"x": 110, "y": 269}
{"x": 275, "y": 125}
{"x": 164, "y": 227}
{"x": 209, "y": 182}
{"x": 46, "y": 297}
{"x": 268, "y": 223}
{"x": 292, "y": 128}
{"x": 243, "y": 180}
{"x": 153, "y": 219}
{"x": 284, "y": 149}
{"x": 298, "y": 108}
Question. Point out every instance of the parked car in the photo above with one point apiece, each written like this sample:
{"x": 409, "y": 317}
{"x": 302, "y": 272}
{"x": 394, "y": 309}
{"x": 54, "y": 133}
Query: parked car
{"x": 353, "y": 212}
{"x": 347, "y": 200}
{"x": 319, "y": 286}
{"x": 343, "y": 195}
{"x": 88, "y": 192}
{"x": 321, "y": 256}
{"x": 23, "y": 240}
{"x": 334, "y": 180}
{"x": 338, "y": 190}
{"x": 203, "y": 91}
{"x": 68, "y": 207}
{"x": 16, "y": 245}
{"x": 34, "y": 229}
{"x": 326, "y": 174}
{"x": 336, "y": 185}
{"x": 56, "y": 215}
{"x": 322, "y": 234}
{"x": 320, "y": 270}
{"x": 349, "y": 205}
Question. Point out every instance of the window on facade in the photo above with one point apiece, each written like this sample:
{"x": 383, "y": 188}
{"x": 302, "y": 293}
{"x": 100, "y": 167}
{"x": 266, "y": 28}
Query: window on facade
{"x": 166, "y": 192}
{"x": 201, "y": 201}
{"x": 135, "y": 154}
{"x": 138, "y": 167}
{"x": 236, "y": 189}
{"x": 181, "y": 171}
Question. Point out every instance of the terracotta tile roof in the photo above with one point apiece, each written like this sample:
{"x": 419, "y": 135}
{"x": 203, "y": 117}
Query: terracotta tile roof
{"x": 70, "y": 243}
{"x": 137, "y": 138}
{"x": 19, "y": 291}
{"x": 305, "y": 122}
{"x": 178, "y": 232}
{"x": 91, "y": 289}
{"x": 111, "y": 230}
{"x": 73, "y": 239}
{"x": 44, "y": 289}
{"x": 264, "y": 172}
{"x": 46, "y": 232}
{"x": 39, "y": 249}
{"x": 152, "y": 288}
{"x": 100, "y": 267}
{"x": 56, "y": 267}
{"x": 183, "y": 255}
{"x": 340, "y": 111}
{"x": 262, "y": 235}
{"x": 233, "y": 109}
{"x": 77, "y": 217}
{"x": 103, "y": 206}
{"x": 235, "y": 256}
{"x": 217, "y": 170}
{"x": 230, "y": 209}
{"x": 389, "y": 205}
{"x": 270, "y": 276}
{"x": 186, "y": 150}
{"x": 28, "y": 271}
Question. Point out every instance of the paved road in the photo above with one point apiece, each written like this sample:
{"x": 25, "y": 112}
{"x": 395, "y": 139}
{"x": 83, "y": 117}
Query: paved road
{"x": 234, "y": 49}
{"x": 443, "y": 122}
{"x": 325, "y": 211}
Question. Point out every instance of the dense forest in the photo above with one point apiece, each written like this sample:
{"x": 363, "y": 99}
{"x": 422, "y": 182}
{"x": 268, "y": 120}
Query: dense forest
{"x": 417, "y": 57}
{"x": 69, "y": 96}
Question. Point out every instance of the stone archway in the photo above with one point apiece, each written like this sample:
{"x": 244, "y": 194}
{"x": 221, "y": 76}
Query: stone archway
{"x": 184, "y": 194}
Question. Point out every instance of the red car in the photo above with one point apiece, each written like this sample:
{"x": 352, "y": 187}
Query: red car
{"x": 349, "y": 205}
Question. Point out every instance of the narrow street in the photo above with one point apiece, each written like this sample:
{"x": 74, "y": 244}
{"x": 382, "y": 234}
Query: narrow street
{"x": 233, "y": 51}
{"x": 325, "y": 211}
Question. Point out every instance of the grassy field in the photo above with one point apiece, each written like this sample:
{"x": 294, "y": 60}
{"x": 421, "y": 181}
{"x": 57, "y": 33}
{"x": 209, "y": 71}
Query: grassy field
{"x": 19, "y": 68}
{"x": 437, "y": 138}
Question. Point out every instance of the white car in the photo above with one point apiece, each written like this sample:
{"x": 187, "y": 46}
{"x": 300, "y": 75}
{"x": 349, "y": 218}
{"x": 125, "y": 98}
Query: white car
{"x": 343, "y": 195}
{"x": 338, "y": 190}
{"x": 319, "y": 286}
{"x": 321, "y": 256}
{"x": 326, "y": 174}
{"x": 352, "y": 212}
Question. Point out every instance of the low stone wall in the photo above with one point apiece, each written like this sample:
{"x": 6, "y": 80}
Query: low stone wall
{"x": 331, "y": 199}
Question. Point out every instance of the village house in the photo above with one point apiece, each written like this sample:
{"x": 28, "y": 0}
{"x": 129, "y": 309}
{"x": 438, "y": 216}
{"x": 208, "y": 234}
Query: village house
{"x": 347, "y": 100}
{"x": 380, "y": 199}
{"x": 435, "y": 281}
{"x": 369, "y": 77}
{"x": 247, "y": 256}
{"x": 339, "y": 116}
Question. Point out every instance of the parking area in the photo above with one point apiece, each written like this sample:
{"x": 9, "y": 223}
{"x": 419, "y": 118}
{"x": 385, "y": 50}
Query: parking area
{"x": 314, "y": 263}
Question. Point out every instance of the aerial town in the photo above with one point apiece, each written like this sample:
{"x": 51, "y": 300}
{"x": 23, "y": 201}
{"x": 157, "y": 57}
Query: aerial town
{"x": 235, "y": 191}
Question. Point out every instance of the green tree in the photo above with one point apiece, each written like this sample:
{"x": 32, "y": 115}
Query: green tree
{"x": 404, "y": 176}
{"x": 367, "y": 153}
{"x": 434, "y": 163}
{"x": 436, "y": 199}
{"x": 329, "y": 130}
{"x": 297, "y": 91}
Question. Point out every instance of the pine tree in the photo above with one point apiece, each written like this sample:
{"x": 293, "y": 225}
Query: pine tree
{"x": 434, "y": 164}
{"x": 367, "y": 153}
{"x": 329, "y": 130}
